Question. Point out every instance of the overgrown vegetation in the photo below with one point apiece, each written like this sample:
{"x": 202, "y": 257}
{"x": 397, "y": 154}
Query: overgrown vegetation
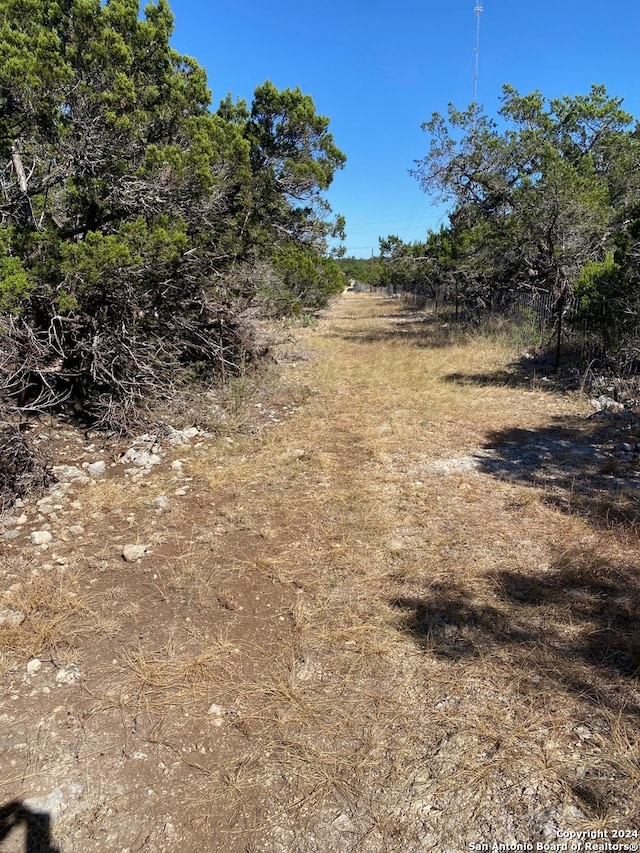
{"x": 546, "y": 202}
{"x": 139, "y": 228}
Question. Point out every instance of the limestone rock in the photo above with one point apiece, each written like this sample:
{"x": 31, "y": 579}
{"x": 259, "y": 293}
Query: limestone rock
{"x": 69, "y": 474}
{"x": 11, "y": 617}
{"x": 69, "y": 674}
{"x": 97, "y": 469}
{"x": 133, "y": 553}
{"x": 41, "y": 537}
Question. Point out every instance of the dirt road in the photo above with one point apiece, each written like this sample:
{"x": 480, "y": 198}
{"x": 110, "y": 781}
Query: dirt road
{"x": 391, "y": 608}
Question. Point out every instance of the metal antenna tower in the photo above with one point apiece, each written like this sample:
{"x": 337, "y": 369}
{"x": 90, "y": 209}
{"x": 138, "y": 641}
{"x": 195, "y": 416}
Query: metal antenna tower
{"x": 476, "y": 51}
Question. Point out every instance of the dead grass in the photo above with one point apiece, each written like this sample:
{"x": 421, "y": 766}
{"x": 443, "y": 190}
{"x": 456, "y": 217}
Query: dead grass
{"x": 423, "y": 658}
{"x": 425, "y": 730}
{"x": 53, "y": 607}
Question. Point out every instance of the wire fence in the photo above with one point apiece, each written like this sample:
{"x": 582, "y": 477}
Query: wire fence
{"x": 606, "y": 334}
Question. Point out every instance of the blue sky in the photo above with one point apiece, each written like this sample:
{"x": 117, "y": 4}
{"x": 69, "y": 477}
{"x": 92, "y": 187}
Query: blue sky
{"x": 378, "y": 70}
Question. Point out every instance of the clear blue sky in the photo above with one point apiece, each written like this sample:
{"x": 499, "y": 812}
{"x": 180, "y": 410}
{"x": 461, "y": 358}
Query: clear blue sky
{"x": 378, "y": 70}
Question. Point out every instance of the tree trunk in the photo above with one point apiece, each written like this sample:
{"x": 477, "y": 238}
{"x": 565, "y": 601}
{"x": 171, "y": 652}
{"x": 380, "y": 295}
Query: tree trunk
{"x": 22, "y": 183}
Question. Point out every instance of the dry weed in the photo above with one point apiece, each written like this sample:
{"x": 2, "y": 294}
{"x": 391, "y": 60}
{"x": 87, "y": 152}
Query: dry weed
{"x": 449, "y": 657}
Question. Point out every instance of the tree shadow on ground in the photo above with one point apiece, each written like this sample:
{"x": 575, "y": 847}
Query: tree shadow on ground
{"x": 572, "y": 627}
{"x": 36, "y": 827}
{"x": 423, "y": 331}
{"x": 587, "y": 467}
{"x": 525, "y": 373}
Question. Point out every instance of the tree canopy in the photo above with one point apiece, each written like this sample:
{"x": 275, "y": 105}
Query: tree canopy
{"x": 138, "y": 225}
{"x": 543, "y": 197}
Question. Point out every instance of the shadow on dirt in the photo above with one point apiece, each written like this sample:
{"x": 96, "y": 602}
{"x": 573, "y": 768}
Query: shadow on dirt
{"x": 589, "y": 467}
{"x": 535, "y": 373}
{"x": 423, "y": 331}
{"x": 575, "y": 626}
{"x": 36, "y": 827}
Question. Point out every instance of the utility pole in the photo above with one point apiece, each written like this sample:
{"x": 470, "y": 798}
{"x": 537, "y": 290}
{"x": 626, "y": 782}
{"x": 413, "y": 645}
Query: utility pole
{"x": 476, "y": 52}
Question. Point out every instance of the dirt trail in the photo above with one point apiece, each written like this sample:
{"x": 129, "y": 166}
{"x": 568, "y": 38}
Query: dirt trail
{"x": 395, "y": 613}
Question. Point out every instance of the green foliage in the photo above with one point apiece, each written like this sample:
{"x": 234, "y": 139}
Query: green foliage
{"x": 15, "y": 283}
{"x": 542, "y": 202}
{"x": 131, "y": 206}
{"x": 363, "y": 270}
{"x": 308, "y": 280}
{"x": 598, "y": 281}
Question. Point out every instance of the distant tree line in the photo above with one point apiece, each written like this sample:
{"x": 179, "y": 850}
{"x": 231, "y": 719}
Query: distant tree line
{"x": 546, "y": 200}
{"x": 140, "y": 229}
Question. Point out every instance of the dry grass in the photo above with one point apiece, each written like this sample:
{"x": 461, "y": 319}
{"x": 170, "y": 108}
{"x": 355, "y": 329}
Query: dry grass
{"x": 440, "y": 618}
{"x": 424, "y": 657}
{"x": 53, "y": 607}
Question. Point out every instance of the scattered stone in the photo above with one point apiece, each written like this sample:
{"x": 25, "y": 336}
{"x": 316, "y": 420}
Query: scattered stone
{"x": 162, "y": 502}
{"x": 216, "y": 710}
{"x": 34, "y": 665}
{"x": 140, "y": 458}
{"x": 11, "y": 617}
{"x": 395, "y": 545}
{"x": 41, "y": 537}
{"x": 177, "y": 465}
{"x": 68, "y": 674}
{"x": 69, "y": 474}
{"x": 178, "y": 437}
{"x": 20, "y": 520}
{"x": 97, "y": 469}
{"x": 181, "y": 492}
{"x": 76, "y": 529}
{"x": 10, "y": 534}
{"x": 133, "y": 553}
{"x": 606, "y": 404}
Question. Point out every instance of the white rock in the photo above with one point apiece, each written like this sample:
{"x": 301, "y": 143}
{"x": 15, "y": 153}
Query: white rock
{"x": 41, "y": 537}
{"x": 76, "y": 529}
{"x": 190, "y": 432}
{"x": 34, "y": 665}
{"x": 10, "y": 534}
{"x": 162, "y": 502}
{"x": 97, "y": 469}
{"x": 133, "y": 553}
{"x": 216, "y": 710}
{"x": 11, "y": 617}
{"x": 69, "y": 474}
{"x": 68, "y": 674}
{"x": 140, "y": 458}
{"x": 177, "y": 465}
